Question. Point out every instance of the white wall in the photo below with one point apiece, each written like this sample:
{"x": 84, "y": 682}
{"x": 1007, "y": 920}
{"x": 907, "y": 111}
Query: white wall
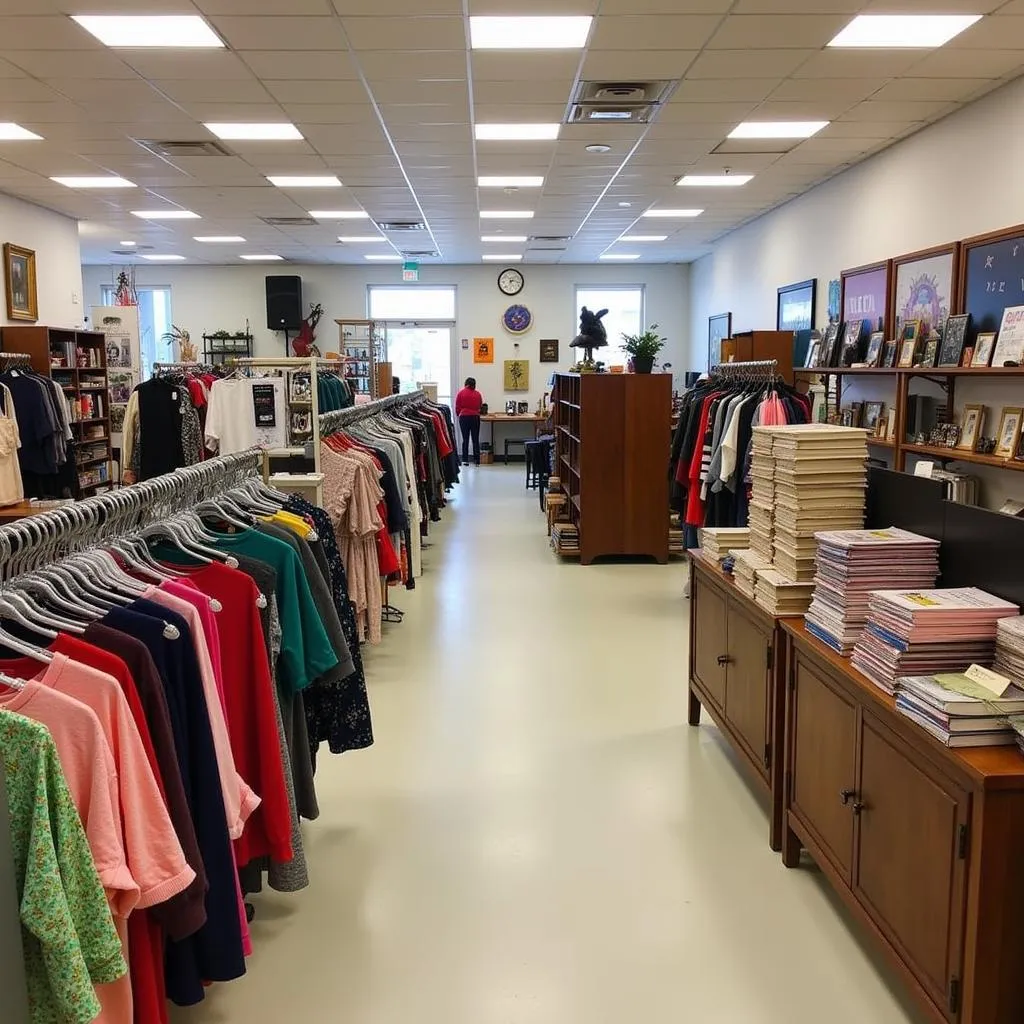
{"x": 213, "y": 298}
{"x": 54, "y": 238}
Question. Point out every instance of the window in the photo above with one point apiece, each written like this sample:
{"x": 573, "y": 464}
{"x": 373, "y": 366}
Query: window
{"x": 154, "y": 322}
{"x": 625, "y": 305}
{"x": 411, "y": 302}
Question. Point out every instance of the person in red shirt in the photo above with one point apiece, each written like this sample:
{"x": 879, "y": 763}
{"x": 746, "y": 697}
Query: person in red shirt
{"x": 468, "y": 403}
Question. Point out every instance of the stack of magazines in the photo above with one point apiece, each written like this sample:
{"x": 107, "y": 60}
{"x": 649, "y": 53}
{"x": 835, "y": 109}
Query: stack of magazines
{"x": 959, "y": 712}
{"x": 1010, "y": 648}
{"x": 852, "y": 563}
{"x": 921, "y": 632}
{"x": 745, "y": 570}
{"x": 716, "y": 541}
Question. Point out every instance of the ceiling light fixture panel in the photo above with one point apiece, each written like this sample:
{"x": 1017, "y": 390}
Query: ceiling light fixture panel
{"x": 903, "y": 31}
{"x": 529, "y": 33}
{"x": 777, "y": 129}
{"x": 516, "y": 132}
{"x": 503, "y": 239}
{"x": 360, "y": 239}
{"x": 264, "y": 257}
{"x": 672, "y": 213}
{"x": 11, "y": 132}
{"x": 621, "y": 256}
{"x": 127, "y": 245}
{"x": 97, "y": 181}
{"x": 215, "y": 239}
{"x": 506, "y": 214}
{"x": 714, "y": 180}
{"x": 381, "y": 258}
{"x": 304, "y": 180}
{"x": 339, "y": 214}
{"x": 643, "y": 238}
{"x": 503, "y": 257}
{"x": 233, "y": 131}
{"x": 158, "y": 257}
{"x": 144, "y": 30}
{"x": 510, "y": 181}
{"x": 165, "y": 214}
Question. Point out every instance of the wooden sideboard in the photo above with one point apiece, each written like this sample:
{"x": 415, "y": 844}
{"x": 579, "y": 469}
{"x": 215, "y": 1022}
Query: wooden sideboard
{"x": 737, "y": 674}
{"x": 924, "y": 844}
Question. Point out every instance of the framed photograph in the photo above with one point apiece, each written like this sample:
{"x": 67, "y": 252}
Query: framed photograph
{"x": 851, "y": 342}
{"x": 911, "y": 330}
{"x": 510, "y": 408}
{"x": 984, "y": 346}
{"x": 929, "y": 352}
{"x": 924, "y": 284}
{"x": 873, "y": 416}
{"x": 889, "y": 354}
{"x": 719, "y": 328}
{"x": 908, "y": 349}
{"x": 549, "y": 350}
{"x": 20, "y": 281}
{"x": 1010, "y": 341}
{"x": 970, "y": 430}
{"x": 875, "y": 343}
{"x": 813, "y": 355}
{"x": 968, "y": 356}
{"x": 1009, "y": 431}
{"x": 828, "y": 345}
{"x": 954, "y": 337}
{"x": 794, "y": 307}
{"x": 522, "y": 408}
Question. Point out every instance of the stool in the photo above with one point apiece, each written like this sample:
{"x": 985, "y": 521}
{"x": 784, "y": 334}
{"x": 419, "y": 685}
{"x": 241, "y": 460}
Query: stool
{"x": 514, "y": 440}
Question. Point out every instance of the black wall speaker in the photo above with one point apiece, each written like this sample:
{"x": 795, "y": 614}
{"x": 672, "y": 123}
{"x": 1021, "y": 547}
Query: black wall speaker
{"x": 284, "y": 302}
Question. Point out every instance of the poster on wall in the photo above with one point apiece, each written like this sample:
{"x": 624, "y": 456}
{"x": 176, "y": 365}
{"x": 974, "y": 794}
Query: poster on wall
{"x": 517, "y": 375}
{"x": 120, "y": 325}
{"x": 992, "y": 268}
{"x": 795, "y": 306}
{"x": 549, "y": 350}
{"x": 719, "y": 328}
{"x": 483, "y": 350}
{"x": 923, "y": 289}
{"x": 866, "y": 295}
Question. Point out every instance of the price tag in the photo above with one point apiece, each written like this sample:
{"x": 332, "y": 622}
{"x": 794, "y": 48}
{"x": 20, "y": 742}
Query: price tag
{"x": 924, "y": 469}
{"x": 992, "y": 681}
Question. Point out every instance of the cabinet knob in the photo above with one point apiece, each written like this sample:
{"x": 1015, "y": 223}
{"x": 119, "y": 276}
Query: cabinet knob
{"x": 858, "y": 807}
{"x": 846, "y": 795}
{"x": 724, "y": 659}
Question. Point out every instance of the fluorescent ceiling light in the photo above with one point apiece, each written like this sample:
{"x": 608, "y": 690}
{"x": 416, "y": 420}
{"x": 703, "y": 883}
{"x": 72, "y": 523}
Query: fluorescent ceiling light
{"x": 506, "y": 214}
{"x": 156, "y": 257}
{"x": 621, "y": 256}
{"x": 304, "y": 180}
{"x": 903, "y": 31}
{"x": 361, "y": 239}
{"x": 108, "y": 181}
{"x": 503, "y": 258}
{"x": 672, "y": 213}
{"x": 516, "y": 132}
{"x": 128, "y": 245}
{"x": 380, "y": 257}
{"x": 165, "y": 214}
{"x": 502, "y": 239}
{"x": 510, "y": 181}
{"x": 11, "y": 132}
{"x": 339, "y": 214}
{"x": 714, "y": 180}
{"x": 642, "y": 238}
{"x": 777, "y": 129}
{"x": 232, "y": 131}
{"x": 218, "y": 238}
{"x": 265, "y": 256}
{"x": 163, "y": 30}
{"x": 529, "y": 33}
{"x": 610, "y": 115}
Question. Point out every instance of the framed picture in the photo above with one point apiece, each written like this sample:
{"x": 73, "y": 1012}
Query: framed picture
{"x": 968, "y": 357}
{"x": 908, "y": 349}
{"x": 990, "y": 278}
{"x": 984, "y": 345}
{"x": 851, "y": 342}
{"x": 719, "y": 328}
{"x": 865, "y": 294}
{"x": 522, "y": 408}
{"x": 929, "y": 352}
{"x": 954, "y": 336}
{"x": 1009, "y": 431}
{"x": 517, "y": 375}
{"x": 510, "y": 408}
{"x": 973, "y": 424}
{"x": 483, "y": 350}
{"x": 856, "y": 414}
{"x": 889, "y": 354}
{"x": 924, "y": 285}
{"x": 794, "y": 306}
{"x": 873, "y": 415}
{"x": 1010, "y": 340}
{"x": 20, "y": 280}
{"x": 813, "y": 355}
{"x": 549, "y": 350}
{"x": 875, "y": 343}
{"x": 828, "y": 345}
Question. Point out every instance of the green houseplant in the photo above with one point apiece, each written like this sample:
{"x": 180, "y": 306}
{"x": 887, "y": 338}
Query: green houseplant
{"x": 643, "y": 348}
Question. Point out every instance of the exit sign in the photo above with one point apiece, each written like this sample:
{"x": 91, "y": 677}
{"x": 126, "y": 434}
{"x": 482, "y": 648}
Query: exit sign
{"x": 411, "y": 272}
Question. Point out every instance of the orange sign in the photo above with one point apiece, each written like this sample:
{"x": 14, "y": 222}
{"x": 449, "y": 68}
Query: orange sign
{"x": 483, "y": 350}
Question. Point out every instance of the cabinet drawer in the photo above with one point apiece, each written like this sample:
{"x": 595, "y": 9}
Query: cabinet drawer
{"x": 712, "y": 646}
{"x": 746, "y": 706}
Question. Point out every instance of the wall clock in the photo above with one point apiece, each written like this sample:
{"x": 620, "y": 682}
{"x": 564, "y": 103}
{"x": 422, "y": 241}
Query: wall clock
{"x": 517, "y": 319}
{"x": 511, "y": 281}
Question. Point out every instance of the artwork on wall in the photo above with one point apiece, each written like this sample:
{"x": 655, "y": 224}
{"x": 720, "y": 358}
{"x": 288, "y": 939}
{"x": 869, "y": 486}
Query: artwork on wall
{"x": 483, "y": 350}
{"x": 549, "y": 350}
{"x": 865, "y": 295}
{"x": 517, "y": 319}
{"x": 794, "y": 306}
{"x": 923, "y": 288}
{"x": 517, "y": 375}
{"x": 991, "y": 278}
{"x": 20, "y": 278}
{"x": 835, "y": 292}
{"x": 719, "y": 328}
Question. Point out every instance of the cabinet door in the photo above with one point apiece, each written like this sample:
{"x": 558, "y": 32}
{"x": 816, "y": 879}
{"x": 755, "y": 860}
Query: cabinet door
{"x": 711, "y": 642}
{"x": 908, "y": 874}
{"x": 824, "y": 763}
{"x": 746, "y": 707}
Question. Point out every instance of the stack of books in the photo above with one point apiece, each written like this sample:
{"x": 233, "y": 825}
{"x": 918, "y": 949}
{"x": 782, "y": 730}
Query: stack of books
{"x": 565, "y": 538}
{"x": 921, "y": 632}
{"x": 780, "y": 596}
{"x": 852, "y": 563}
{"x": 762, "y": 495}
{"x": 715, "y": 541}
{"x": 748, "y": 563}
{"x": 972, "y": 718}
{"x": 1010, "y": 648}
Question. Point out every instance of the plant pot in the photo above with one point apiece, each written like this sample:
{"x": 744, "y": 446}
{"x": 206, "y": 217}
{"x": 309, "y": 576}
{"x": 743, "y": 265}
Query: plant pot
{"x": 643, "y": 364}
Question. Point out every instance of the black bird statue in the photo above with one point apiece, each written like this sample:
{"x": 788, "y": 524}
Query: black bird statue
{"x": 592, "y": 333}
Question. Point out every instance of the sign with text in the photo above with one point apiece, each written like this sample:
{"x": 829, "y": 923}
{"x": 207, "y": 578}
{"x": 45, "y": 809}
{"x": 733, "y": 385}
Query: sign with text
{"x": 864, "y": 296}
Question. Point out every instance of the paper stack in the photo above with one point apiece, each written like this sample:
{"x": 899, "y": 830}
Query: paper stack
{"x": 762, "y": 495}
{"x": 715, "y": 541}
{"x": 959, "y": 712}
{"x": 780, "y": 596}
{"x": 1010, "y": 648}
{"x": 745, "y": 571}
{"x": 852, "y": 563}
{"x": 921, "y": 632}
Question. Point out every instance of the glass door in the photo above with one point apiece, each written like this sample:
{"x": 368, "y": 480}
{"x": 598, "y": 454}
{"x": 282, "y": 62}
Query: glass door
{"x": 421, "y": 353}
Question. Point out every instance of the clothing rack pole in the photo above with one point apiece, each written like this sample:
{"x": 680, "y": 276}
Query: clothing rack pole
{"x": 751, "y": 370}
{"x": 331, "y": 421}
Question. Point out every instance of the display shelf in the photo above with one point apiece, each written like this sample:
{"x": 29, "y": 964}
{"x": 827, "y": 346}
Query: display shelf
{"x": 882, "y": 442}
{"x": 959, "y": 455}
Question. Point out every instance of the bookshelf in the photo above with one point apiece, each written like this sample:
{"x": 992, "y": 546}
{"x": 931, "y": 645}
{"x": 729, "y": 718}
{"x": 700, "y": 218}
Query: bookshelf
{"x": 77, "y": 361}
{"x": 610, "y": 456}
{"x": 362, "y": 346}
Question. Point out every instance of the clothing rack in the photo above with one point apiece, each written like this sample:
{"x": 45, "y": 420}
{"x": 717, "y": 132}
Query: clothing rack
{"x": 753, "y": 370}
{"x": 9, "y": 360}
{"x": 331, "y": 421}
{"x": 159, "y": 368}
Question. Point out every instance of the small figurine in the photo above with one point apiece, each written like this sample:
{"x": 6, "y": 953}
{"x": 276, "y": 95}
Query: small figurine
{"x": 592, "y": 333}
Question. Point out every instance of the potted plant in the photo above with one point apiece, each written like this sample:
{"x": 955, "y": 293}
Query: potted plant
{"x": 643, "y": 348}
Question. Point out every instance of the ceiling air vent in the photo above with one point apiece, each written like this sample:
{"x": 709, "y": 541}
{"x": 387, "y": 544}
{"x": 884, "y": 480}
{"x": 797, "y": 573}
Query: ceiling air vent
{"x": 551, "y": 239}
{"x": 607, "y": 113}
{"x": 400, "y": 225}
{"x": 290, "y": 222}
{"x": 170, "y": 149}
{"x": 619, "y": 102}
{"x": 424, "y": 254}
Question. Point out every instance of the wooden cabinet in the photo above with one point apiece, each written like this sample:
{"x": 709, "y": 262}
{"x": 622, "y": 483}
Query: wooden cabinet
{"x": 709, "y": 606}
{"x": 921, "y": 842}
{"x": 747, "y": 345}
{"x": 748, "y": 684}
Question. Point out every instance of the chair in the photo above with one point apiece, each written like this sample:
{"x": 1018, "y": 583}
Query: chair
{"x": 538, "y": 465}
{"x": 515, "y": 441}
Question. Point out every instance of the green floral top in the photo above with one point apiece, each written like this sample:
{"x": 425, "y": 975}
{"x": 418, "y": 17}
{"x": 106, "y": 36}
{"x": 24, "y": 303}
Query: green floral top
{"x": 68, "y": 935}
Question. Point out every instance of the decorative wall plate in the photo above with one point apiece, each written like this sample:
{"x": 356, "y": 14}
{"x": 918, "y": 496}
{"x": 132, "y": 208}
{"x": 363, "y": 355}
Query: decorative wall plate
{"x": 517, "y": 319}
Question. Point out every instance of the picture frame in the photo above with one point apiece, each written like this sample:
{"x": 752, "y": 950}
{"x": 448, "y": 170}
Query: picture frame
{"x": 828, "y": 344}
{"x": 971, "y": 427}
{"x": 517, "y": 375}
{"x": 875, "y": 343}
{"x": 794, "y": 306}
{"x": 1008, "y": 434}
{"x": 954, "y": 337}
{"x": 852, "y": 331}
{"x": 483, "y": 350}
{"x": 873, "y": 412}
{"x": 865, "y": 294}
{"x": 924, "y": 287}
{"x": 889, "y": 354}
{"x": 719, "y": 329}
{"x": 986, "y": 289}
{"x": 908, "y": 350}
{"x": 1010, "y": 340}
{"x": 522, "y": 408}
{"x": 813, "y": 355}
{"x": 984, "y": 346}
{"x": 549, "y": 350}
{"x": 968, "y": 356}
{"x": 857, "y": 414}
{"x": 929, "y": 352}
{"x": 510, "y": 407}
{"x": 20, "y": 283}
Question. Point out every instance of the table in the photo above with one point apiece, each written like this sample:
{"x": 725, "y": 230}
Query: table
{"x": 21, "y": 510}
{"x": 497, "y": 419}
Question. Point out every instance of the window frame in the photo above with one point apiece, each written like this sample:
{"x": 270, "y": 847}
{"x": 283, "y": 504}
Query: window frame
{"x": 620, "y": 287}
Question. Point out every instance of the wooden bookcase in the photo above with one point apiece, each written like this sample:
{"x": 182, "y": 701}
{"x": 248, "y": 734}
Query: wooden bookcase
{"x": 60, "y": 353}
{"x": 611, "y": 432}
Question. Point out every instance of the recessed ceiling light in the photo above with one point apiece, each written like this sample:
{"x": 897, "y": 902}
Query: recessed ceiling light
{"x": 339, "y": 214}
{"x": 127, "y": 245}
{"x": 621, "y": 256}
{"x": 903, "y": 31}
{"x": 625, "y": 205}
{"x": 360, "y": 239}
{"x": 382, "y": 258}
{"x": 11, "y": 132}
{"x": 165, "y": 214}
{"x": 510, "y": 181}
{"x": 642, "y": 238}
{"x": 135, "y": 30}
{"x": 611, "y": 114}
{"x": 238, "y": 132}
{"x": 598, "y": 148}
{"x": 304, "y": 180}
{"x": 108, "y": 181}
{"x": 503, "y": 257}
{"x": 263, "y": 256}
{"x": 529, "y": 33}
{"x": 502, "y": 239}
{"x": 506, "y": 214}
{"x": 516, "y": 132}
{"x": 156, "y": 257}
{"x": 714, "y": 180}
{"x": 218, "y": 238}
{"x": 777, "y": 129}
{"x": 672, "y": 213}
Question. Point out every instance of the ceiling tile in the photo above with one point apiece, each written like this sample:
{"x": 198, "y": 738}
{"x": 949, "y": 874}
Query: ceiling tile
{"x": 725, "y": 90}
{"x": 649, "y": 32}
{"x": 317, "y": 91}
{"x": 849, "y": 90}
{"x": 946, "y": 63}
{"x": 529, "y": 91}
{"x": 609, "y": 65}
{"x": 55, "y": 63}
{"x": 946, "y": 89}
{"x": 686, "y": 113}
{"x": 797, "y": 6}
{"x": 410, "y": 65}
{"x": 264, "y": 7}
{"x": 328, "y": 65}
{"x": 748, "y": 63}
{"x": 664, "y": 6}
{"x": 405, "y": 33}
{"x": 513, "y": 112}
{"x": 398, "y": 90}
{"x": 330, "y": 113}
{"x": 291, "y": 33}
{"x": 783, "y": 31}
{"x": 858, "y": 64}
{"x": 872, "y": 110}
{"x": 426, "y": 113}
{"x": 399, "y": 8}
{"x": 46, "y": 32}
{"x": 513, "y": 65}
{"x": 238, "y": 90}
{"x": 997, "y": 33}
